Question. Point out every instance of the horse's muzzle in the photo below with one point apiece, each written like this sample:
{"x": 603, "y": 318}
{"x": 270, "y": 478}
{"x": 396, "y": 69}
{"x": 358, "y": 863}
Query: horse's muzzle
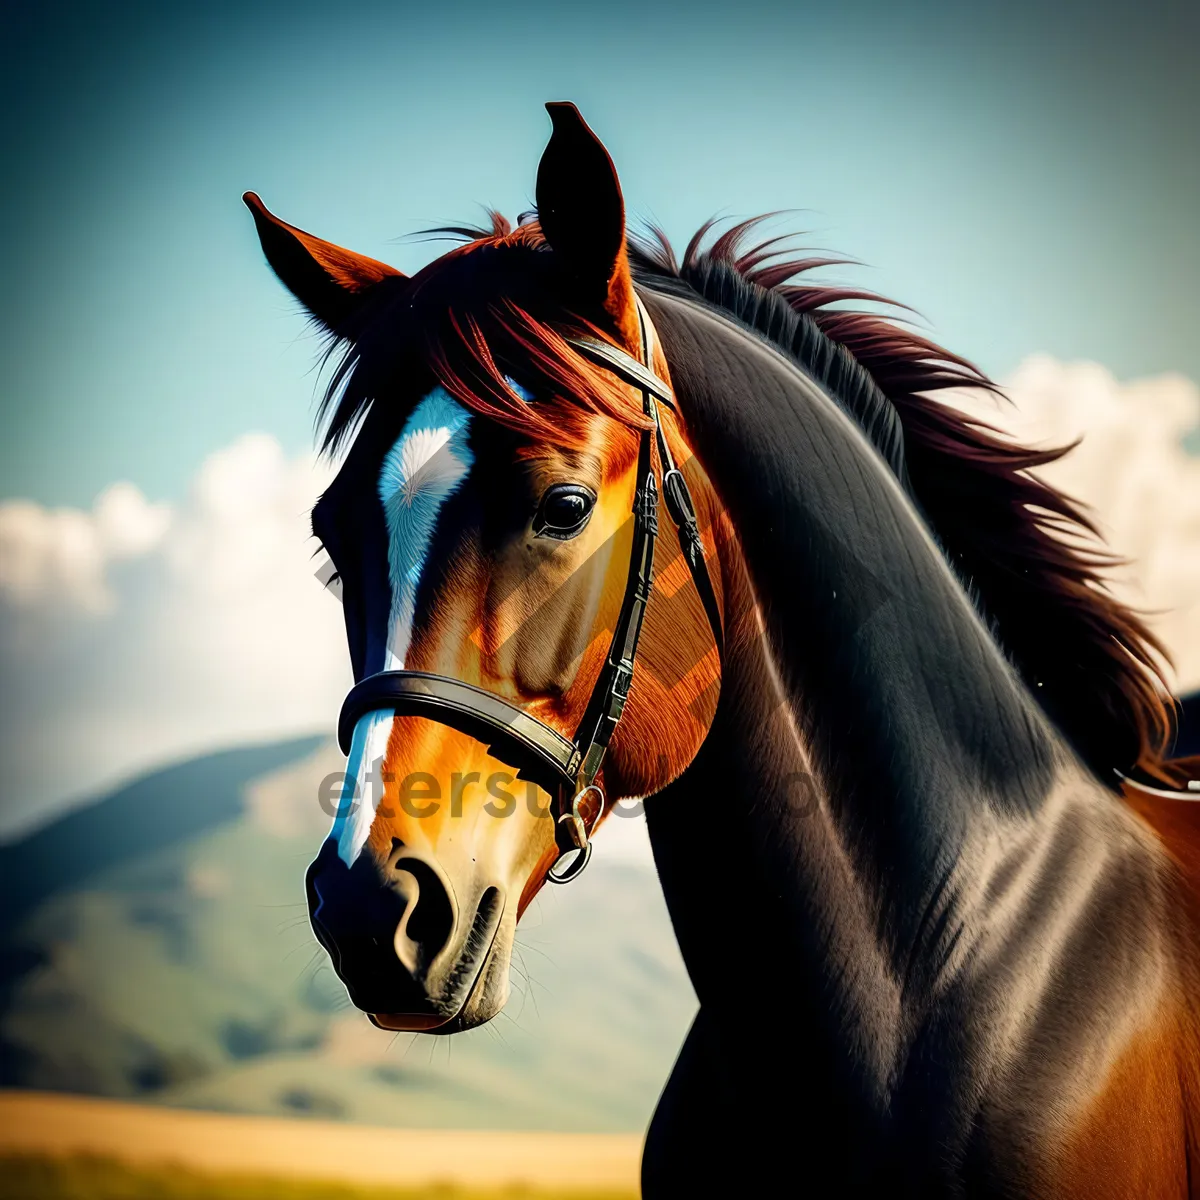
{"x": 396, "y": 937}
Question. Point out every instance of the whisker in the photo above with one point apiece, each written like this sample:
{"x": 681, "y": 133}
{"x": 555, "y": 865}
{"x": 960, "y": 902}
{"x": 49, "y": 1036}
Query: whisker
{"x": 529, "y": 992}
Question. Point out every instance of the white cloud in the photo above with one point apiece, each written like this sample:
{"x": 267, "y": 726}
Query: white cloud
{"x": 60, "y": 556}
{"x": 1133, "y": 472}
{"x": 136, "y": 632}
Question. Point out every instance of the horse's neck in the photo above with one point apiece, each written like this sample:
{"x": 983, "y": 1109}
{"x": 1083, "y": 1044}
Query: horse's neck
{"x": 883, "y": 856}
{"x": 878, "y": 798}
{"x": 890, "y": 690}
{"x": 762, "y": 894}
{"x": 951, "y": 1023}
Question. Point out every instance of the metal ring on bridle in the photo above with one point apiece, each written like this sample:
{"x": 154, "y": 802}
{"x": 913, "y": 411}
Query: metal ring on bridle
{"x": 579, "y": 835}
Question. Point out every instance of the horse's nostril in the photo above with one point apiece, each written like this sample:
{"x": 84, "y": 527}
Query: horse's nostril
{"x": 429, "y": 919}
{"x": 380, "y": 922}
{"x": 386, "y": 924}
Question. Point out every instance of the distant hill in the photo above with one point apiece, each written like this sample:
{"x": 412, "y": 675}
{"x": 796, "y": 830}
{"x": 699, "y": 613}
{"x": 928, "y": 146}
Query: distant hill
{"x": 155, "y": 945}
{"x": 155, "y": 812}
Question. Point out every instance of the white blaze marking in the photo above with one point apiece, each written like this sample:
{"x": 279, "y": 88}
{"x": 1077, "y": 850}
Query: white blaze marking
{"x": 425, "y": 466}
{"x": 420, "y": 472}
{"x": 362, "y": 789}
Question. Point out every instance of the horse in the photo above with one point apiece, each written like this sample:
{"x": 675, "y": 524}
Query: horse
{"x": 903, "y": 756}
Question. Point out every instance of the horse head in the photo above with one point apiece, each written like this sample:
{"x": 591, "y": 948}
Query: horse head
{"x": 489, "y": 526}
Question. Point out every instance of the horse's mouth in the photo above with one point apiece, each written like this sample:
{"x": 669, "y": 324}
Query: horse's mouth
{"x": 454, "y": 1004}
{"x": 411, "y": 955}
{"x": 411, "y": 1022}
{"x": 414, "y": 1023}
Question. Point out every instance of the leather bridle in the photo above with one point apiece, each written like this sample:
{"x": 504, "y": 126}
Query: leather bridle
{"x": 568, "y": 766}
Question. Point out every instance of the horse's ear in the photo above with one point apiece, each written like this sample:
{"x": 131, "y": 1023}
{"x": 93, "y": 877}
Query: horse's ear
{"x": 330, "y": 282}
{"x": 582, "y": 213}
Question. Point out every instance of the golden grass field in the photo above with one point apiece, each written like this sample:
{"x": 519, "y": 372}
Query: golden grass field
{"x": 89, "y": 1178}
{"x": 72, "y": 1148}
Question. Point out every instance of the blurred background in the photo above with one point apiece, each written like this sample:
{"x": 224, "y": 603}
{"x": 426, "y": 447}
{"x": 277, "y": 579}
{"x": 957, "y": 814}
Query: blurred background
{"x": 1027, "y": 180}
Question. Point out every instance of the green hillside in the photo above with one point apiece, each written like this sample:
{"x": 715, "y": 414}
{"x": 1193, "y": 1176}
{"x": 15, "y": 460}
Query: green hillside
{"x": 156, "y": 946}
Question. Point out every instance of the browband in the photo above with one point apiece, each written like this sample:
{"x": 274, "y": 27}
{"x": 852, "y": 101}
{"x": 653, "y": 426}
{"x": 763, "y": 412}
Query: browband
{"x": 624, "y": 365}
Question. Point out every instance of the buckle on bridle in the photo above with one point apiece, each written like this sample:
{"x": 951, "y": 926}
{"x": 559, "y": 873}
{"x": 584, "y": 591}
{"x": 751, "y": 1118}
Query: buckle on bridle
{"x": 577, "y": 832}
{"x": 645, "y": 505}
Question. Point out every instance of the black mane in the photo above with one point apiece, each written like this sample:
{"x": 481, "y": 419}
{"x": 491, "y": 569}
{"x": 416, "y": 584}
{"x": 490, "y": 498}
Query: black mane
{"x": 1027, "y": 554}
{"x": 848, "y": 383}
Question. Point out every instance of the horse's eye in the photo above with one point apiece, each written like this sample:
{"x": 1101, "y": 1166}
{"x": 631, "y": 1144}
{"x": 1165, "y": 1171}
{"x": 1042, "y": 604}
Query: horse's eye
{"x": 564, "y": 511}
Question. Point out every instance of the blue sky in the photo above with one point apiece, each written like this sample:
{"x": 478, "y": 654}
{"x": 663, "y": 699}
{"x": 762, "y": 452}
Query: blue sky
{"x": 1028, "y": 181}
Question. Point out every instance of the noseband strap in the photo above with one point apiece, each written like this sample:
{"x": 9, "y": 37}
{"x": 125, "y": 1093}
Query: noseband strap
{"x": 539, "y": 752}
{"x": 562, "y": 766}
